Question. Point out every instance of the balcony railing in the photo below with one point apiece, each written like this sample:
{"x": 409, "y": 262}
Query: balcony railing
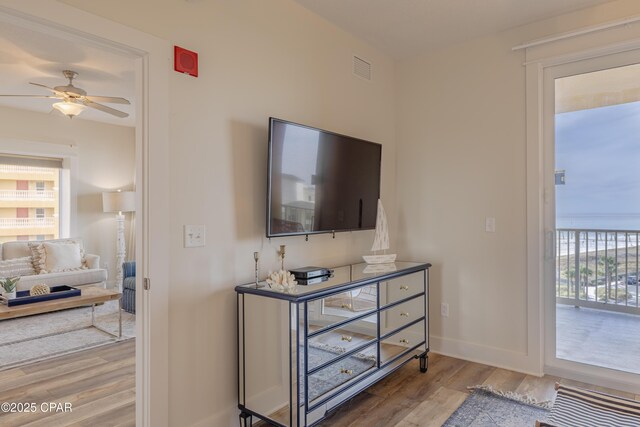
{"x": 27, "y": 222}
{"x": 35, "y": 195}
{"x": 598, "y": 269}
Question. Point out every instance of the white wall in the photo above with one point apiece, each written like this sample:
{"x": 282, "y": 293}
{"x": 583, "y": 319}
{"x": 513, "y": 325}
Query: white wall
{"x": 257, "y": 59}
{"x": 461, "y": 158}
{"x": 106, "y": 161}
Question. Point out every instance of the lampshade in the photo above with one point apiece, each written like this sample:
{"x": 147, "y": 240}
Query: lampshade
{"x": 119, "y": 201}
{"x": 69, "y": 109}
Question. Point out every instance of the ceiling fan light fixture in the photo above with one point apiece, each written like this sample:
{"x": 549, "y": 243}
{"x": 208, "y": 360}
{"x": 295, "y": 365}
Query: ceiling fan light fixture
{"x": 69, "y": 109}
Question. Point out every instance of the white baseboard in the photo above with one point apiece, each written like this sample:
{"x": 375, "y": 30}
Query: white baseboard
{"x": 487, "y": 355}
{"x": 226, "y": 418}
{"x": 266, "y": 399}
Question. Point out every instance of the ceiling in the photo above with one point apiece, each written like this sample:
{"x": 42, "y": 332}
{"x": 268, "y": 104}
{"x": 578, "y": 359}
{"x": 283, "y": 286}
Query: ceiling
{"x": 27, "y": 55}
{"x": 405, "y": 28}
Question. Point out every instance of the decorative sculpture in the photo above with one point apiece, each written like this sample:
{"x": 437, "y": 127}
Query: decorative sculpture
{"x": 39, "y": 289}
{"x": 282, "y": 281}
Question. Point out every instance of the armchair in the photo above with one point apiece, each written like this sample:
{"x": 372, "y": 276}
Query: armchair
{"x": 129, "y": 287}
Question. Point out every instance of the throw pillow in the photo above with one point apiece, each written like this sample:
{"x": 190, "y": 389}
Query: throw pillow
{"x": 61, "y": 257}
{"x": 39, "y": 256}
{"x": 17, "y": 267}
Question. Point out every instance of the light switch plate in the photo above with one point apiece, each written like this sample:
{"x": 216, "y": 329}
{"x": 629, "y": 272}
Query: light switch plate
{"x": 194, "y": 236}
{"x": 490, "y": 225}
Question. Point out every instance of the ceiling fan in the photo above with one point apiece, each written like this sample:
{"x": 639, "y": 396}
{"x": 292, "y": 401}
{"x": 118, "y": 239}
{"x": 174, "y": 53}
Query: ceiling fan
{"x": 74, "y": 100}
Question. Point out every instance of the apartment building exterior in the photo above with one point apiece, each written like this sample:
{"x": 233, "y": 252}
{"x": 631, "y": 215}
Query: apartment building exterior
{"x": 29, "y": 203}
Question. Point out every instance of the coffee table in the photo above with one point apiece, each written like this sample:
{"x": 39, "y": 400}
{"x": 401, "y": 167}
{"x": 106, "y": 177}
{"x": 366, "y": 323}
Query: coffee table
{"x": 89, "y": 295}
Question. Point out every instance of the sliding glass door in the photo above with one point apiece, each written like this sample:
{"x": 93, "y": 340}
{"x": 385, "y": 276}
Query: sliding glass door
{"x": 592, "y": 217}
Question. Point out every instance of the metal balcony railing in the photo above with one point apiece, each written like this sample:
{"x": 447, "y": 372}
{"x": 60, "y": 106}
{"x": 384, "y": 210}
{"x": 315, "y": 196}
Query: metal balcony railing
{"x": 35, "y": 195}
{"x": 598, "y": 269}
{"x": 27, "y": 222}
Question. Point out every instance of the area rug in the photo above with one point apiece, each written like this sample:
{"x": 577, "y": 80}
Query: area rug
{"x": 43, "y": 336}
{"x": 486, "y": 407}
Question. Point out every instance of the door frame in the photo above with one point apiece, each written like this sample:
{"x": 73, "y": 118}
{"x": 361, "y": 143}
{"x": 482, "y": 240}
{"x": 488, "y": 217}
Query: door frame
{"x": 540, "y": 75}
{"x": 152, "y": 58}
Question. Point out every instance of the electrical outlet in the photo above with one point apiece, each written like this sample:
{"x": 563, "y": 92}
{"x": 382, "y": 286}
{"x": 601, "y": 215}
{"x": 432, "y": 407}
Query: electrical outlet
{"x": 490, "y": 225}
{"x": 194, "y": 236}
{"x": 444, "y": 310}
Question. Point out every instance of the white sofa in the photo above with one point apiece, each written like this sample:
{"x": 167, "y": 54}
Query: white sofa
{"x": 92, "y": 275}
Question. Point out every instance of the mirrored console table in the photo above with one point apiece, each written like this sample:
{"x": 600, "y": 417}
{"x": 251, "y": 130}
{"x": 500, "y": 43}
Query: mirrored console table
{"x": 303, "y": 352}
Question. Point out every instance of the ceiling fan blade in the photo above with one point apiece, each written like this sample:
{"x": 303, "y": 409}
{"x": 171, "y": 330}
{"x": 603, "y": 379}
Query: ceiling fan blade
{"x": 35, "y": 96}
{"x": 106, "y": 109}
{"x": 46, "y": 87}
{"x": 59, "y": 94}
{"x": 109, "y": 99}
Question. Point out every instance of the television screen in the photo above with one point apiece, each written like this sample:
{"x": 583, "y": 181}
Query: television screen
{"x": 320, "y": 181}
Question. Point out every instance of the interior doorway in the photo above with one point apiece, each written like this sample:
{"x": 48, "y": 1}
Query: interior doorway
{"x": 592, "y": 123}
{"x": 53, "y": 205}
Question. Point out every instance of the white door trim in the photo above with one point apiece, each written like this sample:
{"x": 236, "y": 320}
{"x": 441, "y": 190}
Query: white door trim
{"x": 541, "y": 205}
{"x": 152, "y": 56}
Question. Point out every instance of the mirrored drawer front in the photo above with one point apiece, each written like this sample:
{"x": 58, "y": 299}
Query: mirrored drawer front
{"x": 401, "y": 288}
{"x": 402, "y": 340}
{"x": 344, "y": 339}
{"x": 340, "y": 374}
{"x": 337, "y": 308}
{"x": 401, "y": 314}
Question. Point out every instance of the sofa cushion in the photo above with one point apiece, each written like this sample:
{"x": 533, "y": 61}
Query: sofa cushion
{"x": 17, "y": 249}
{"x": 71, "y": 278}
{"x": 17, "y": 267}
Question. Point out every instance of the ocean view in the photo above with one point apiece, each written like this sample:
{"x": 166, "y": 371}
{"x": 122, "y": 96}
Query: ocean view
{"x": 626, "y": 222}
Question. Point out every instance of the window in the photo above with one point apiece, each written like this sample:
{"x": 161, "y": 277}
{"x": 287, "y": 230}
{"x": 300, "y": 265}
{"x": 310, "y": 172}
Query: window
{"x": 30, "y": 192}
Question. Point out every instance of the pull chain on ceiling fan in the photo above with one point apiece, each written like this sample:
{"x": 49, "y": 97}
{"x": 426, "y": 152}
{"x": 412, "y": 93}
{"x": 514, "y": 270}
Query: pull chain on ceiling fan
{"x": 74, "y": 99}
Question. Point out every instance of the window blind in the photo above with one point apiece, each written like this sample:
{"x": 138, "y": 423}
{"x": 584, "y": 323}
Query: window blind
{"x": 41, "y": 162}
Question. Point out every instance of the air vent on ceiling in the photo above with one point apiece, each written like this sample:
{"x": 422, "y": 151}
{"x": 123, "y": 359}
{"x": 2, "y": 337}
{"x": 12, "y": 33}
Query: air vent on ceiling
{"x": 361, "y": 68}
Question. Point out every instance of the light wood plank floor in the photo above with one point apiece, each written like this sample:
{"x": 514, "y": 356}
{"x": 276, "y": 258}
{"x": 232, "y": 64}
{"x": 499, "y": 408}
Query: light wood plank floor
{"x": 99, "y": 383}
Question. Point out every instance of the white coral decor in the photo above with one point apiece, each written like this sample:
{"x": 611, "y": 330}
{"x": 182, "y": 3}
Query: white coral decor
{"x": 282, "y": 281}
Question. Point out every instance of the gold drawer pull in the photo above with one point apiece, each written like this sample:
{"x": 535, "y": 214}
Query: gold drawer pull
{"x": 347, "y": 306}
{"x": 346, "y": 371}
{"x": 404, "y": 288}
{"x": 404, "y": 313}
{"x": 346, "y": 338}
{"x": 404, "y": 341}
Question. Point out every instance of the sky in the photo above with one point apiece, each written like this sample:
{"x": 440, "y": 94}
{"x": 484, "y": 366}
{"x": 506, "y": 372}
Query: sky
{"x": 600, "y": 151}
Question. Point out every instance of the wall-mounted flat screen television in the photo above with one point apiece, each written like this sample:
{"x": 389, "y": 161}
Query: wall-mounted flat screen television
{"x": 320, "y": 181}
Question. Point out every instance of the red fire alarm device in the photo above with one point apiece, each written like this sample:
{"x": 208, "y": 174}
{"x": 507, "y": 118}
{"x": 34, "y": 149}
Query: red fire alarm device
{"x": 185, "y": 61}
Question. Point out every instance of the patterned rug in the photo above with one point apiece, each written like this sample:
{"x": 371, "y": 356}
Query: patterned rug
{"x": 43, "y": 336}
{"x": 486, "y": 408}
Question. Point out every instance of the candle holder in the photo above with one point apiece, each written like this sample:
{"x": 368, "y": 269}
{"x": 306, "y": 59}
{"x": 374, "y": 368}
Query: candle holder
{"x": 281, "y": 253}
{"x": 256, "y": 258}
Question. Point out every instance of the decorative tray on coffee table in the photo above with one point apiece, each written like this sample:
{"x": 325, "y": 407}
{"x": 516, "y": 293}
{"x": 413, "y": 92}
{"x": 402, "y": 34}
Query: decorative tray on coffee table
{"x": 24, "y": 297}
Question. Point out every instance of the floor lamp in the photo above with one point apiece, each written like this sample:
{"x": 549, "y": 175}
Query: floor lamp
{"x": 119, "y": 202}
